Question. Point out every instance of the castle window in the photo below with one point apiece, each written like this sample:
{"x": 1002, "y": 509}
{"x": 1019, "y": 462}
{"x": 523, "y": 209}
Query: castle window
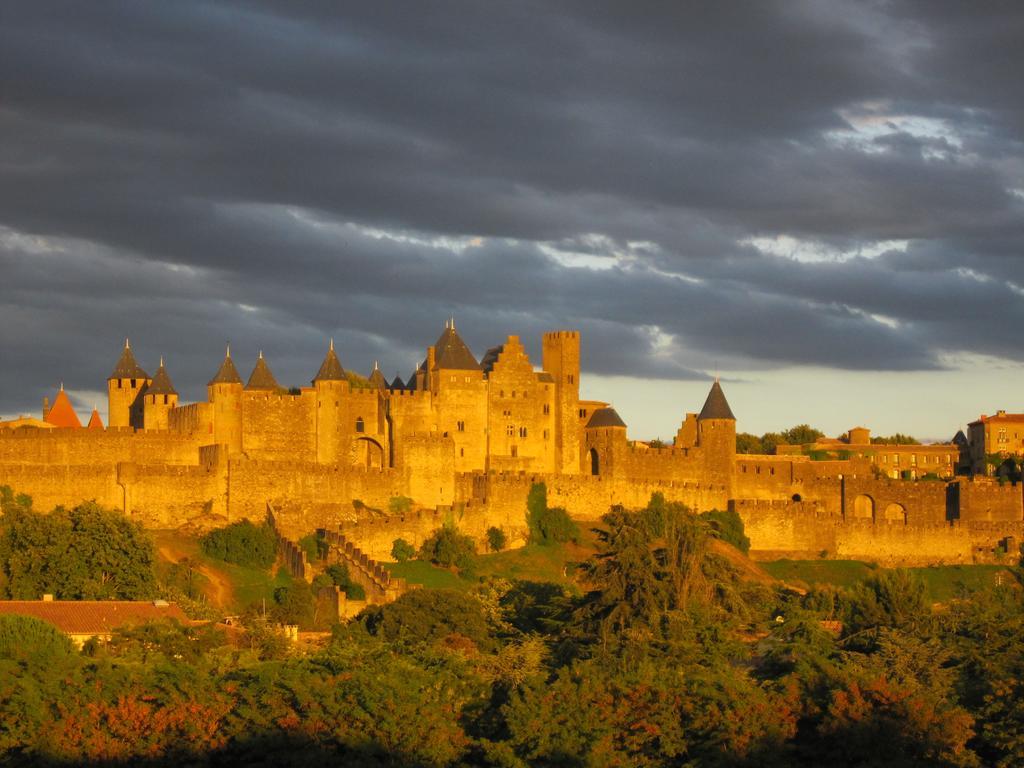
{"x": 510, "y": 430}
{"x": 547, "y": 409}
{"x": 571, "y": 379}
{"x": 522, "y": 431}
{"x": 133, "y": 383}
{"x": 467, "y": 379}
{"x": 546, "y": 433}
{"x": 119, "y": 384}
{"x": 513, "y": 393}
{"x": 462, "y": 451}
{"x": 515, "y": 451}
{"x": 360, "y": 426}
{"x": 454, "y": 379}
{"x": 771, "y": 470}
{"x": 461, "y": 426}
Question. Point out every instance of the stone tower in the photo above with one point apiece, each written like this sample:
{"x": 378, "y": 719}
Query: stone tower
{"x": 716, "y": 436}
{"x": 604, "y": 444}
{"x": 224, "y": 391}
{"x": 125, "y": 388}
{"x": 158, "y": 400}
{"x": 561, "y": 359}
{"x": 332, "y": 388}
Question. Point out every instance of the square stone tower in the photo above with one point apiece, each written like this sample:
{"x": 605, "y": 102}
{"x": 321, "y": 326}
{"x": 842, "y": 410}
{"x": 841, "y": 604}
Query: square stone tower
{"x": 561, "y": 359}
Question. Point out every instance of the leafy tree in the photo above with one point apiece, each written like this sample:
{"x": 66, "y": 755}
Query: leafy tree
{"x": 294, "y": 604}
{"x": 897, "y": 439}
{"x": 728, "y": 526}
{"x": 802, "y": 434}
{"x": 496, "y": 539}
{"x": 33, "y": 641}
{"x": 449, "y": 548}
{"x": 402, "y": 550}
{"x": 748, "y": 443}
{"x": 85, "y": 553}
{"x": 548, "y": 525}
{"x": 242, "y": 543}
{"x": 890, "y": 598}
{"x": 429, "y": 615}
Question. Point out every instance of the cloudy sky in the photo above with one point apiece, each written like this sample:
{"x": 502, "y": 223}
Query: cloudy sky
{"x": 823, "y": 202}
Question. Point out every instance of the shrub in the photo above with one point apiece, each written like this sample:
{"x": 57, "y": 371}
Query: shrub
{"x": 313, "y": 546}
{"x": 496, "y": 539}
{"x": 447, "y": 547}
{"x": 338, "y": 575}
{"x": 402, "y": 550}
{"x": 548, "y": 525}
{"x": 242, "y": 543}
{"x": 728, "y": 527}
{"x": 398, "y": 505}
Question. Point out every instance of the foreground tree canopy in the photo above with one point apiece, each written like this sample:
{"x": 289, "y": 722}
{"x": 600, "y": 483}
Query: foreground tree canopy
{"x": 666, "y": 655}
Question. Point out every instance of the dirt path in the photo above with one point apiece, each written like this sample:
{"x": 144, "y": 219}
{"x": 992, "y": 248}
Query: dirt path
{"x": 222, "y": 593}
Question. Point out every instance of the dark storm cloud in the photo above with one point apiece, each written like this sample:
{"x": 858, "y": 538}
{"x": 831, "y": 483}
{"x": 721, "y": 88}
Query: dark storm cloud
{"x": 276, "y": 174}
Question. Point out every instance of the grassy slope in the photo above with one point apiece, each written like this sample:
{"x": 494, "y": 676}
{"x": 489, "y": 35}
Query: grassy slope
{"x": 943, "y": 582}
{"x": 247, "y": 585}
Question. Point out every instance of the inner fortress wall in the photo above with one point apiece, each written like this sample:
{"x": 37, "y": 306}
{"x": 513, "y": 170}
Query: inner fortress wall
{"x": 83, "y": 447}
{"x": 279, "y": 426}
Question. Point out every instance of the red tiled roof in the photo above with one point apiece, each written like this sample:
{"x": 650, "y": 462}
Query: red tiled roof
{"x": 92, "y": 617}
{"x": 62, "y": 414}
{"x": 95, "y": 422}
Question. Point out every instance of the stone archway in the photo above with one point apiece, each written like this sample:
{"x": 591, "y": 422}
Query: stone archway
{"x": 896, "y": 513}
{"x": 367, "y": 453}
{"x": 595, "y": 462}
{"x": 864, "y": 507}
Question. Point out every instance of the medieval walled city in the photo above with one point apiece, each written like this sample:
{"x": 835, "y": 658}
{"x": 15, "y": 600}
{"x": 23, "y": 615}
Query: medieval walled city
{"x": 465, "y": 439}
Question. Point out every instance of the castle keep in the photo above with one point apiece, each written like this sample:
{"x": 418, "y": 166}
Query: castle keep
{"x": 465, "y": 439}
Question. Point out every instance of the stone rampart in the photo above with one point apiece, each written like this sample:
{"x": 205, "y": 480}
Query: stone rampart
{"x": 371, "y": 575}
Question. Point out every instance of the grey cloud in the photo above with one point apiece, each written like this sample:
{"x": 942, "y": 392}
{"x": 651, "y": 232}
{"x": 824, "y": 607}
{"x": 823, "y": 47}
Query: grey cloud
{"x": 173, "y": 145}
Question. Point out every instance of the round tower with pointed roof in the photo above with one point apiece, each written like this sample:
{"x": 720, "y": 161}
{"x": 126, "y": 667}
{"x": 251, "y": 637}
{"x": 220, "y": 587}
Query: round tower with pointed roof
{"x": 332, "y": 390}
{"x": 125, "y": 388}
{"x": 716, "y": 436}
{"x": 224, "y": 391}
{"x": 159, "y": 399}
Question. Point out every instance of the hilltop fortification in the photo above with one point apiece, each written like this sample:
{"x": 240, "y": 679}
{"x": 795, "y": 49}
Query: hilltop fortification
{"x": 465, "y": 439}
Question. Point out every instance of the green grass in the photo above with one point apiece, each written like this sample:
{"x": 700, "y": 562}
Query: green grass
{"x": 533, "y": 562}
{"x": 248, "y": 585}
{"x": 943, "y": 582}
{"x": 430, "y": 576}
{"x": 841, "y": 573}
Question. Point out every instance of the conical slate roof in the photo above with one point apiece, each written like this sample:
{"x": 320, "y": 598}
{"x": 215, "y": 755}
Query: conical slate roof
{"x": 330, "y": 368}
{"x": 451, "y": 352}
{"x": 227, "y": 373}
{"x": 261, "y": 377}
{"x": 62, "y": 414}
{"x": 161, "y": 383}
{"x": 397, "y": 383}
{"x": 376, "y": 378}
{"x": 716, "y": 406}
{"x": 127, "y": 366}
{"x": 95, "y": 422}
{"x": 605, "y": 417}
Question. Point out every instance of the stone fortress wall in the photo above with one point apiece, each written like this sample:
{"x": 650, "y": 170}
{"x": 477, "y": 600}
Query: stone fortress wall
{"x": 465, "y": 441}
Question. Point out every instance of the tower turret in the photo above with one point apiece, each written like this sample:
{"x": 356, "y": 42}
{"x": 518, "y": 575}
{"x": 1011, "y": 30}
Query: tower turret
{"x": 224, "y": 391}
{"x": 262, "y": 379}
{"x": 716, "y": 436}
{"x": 332, "y": 387}
{"x": 158, "y": 400}
{"x": 125, "y": 388}
{"x": 561, "y": 359}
